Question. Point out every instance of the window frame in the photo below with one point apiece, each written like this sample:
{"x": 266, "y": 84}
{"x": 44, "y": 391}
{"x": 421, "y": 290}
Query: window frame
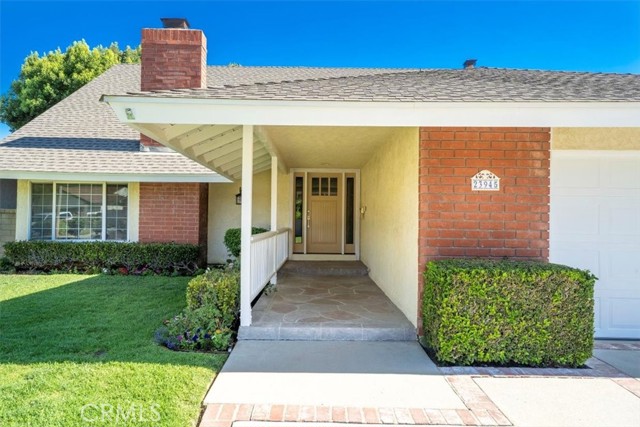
{"x": 54, "y": 207}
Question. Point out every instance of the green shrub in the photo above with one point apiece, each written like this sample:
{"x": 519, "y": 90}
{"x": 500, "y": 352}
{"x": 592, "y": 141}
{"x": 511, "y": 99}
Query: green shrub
{"x": 124, "y": 258}
{"x": 503, "y": 312}
{"x": 6, "y": 266}
{"x": 232, "y": 239}
{"x": 210, "y": 320}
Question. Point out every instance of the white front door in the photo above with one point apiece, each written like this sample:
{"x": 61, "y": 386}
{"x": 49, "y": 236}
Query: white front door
{"x": 595, "y": 224}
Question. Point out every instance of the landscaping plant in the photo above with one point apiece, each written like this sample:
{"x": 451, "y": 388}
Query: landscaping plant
{"x": 109, "y": 257}
{"x": 232, "y": 239}
{"x": 507, "y": 313}
{"x": 209, "y": 322}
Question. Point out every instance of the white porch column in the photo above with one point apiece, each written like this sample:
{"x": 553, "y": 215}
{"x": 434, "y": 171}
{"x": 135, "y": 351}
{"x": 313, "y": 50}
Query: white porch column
{"x": 274, "y": 193}
{"x": 245, "y": 225}
{"x": 274, "y": 211}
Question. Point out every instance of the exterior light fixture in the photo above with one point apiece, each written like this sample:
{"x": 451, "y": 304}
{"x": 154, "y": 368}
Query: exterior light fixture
{"x": 129, "y": 113}
{"x": 239, "y": 197}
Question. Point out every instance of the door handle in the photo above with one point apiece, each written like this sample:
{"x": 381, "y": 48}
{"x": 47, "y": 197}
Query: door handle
{"x": 308, "y": 219}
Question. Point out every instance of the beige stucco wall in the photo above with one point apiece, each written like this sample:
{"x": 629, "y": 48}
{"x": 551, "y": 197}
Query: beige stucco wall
{"x": 595, "y": 138}
{"x": 389, "y": 228}
{"x": 7, "y": 227}
{"x": 225, "y": 214}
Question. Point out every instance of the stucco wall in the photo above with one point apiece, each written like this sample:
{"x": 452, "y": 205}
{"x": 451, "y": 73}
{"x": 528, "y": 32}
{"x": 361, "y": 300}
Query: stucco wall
{"x": 595, "y": 138}
{"x": 225, "y": 214}
{"x": 7, "y": 227}
{"x": 389, "y": 228}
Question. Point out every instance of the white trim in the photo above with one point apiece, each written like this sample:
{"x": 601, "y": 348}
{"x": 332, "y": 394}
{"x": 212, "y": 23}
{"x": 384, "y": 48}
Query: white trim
{"x": 111, "y": 177}
{"x": 274, "y": 193}
{"x": 27, "y": 186}
{"x": 149, "y": 110}
{"x": 245, "y": 225}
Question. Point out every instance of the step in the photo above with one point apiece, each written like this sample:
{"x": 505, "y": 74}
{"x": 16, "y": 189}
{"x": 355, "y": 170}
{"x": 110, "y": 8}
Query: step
{"x": 310, "y": 332}
{"x": 325, "y": 268}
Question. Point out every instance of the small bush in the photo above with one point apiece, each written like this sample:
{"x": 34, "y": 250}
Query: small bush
{"x": 6, "y": 266}
{"x": 502, "y": 312}
{"x": 232, "y": 239}
{"x": 210, "y": 320}
{"x": 117, "y": 257}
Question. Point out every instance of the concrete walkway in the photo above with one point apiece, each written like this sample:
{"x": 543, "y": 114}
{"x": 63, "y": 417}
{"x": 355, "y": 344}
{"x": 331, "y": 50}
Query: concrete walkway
{"x": 325, "y": 382}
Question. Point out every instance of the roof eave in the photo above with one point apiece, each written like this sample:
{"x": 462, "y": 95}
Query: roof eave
{"x": 112, "y": 177}
{"x": 164, "y": 110}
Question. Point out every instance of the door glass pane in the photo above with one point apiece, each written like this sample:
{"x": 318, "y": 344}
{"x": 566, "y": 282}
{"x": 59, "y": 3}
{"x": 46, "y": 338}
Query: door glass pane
{"x": 325, "y": 186}
{"x": 349, "y": 211}
{"x": 315, "y": 186}
{"x": 298, "y": 214}
{"x": 117, "y": 204}
{"x": 79, "y": 211}
{"x": 41, "y": 211}
{"x": 333, "y": 186}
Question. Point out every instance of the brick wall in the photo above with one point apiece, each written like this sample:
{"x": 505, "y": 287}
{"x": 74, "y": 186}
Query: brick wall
{"x": 171, "y": 212}
{"x": 7, "y": 227}
{"x": 458, "y": 222}
{"x": 172, "y": 59}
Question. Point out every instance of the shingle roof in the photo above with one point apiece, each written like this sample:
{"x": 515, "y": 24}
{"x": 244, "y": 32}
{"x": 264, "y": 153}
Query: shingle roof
{"x": 463, "y": 85}
{"x": 82, "y": 134}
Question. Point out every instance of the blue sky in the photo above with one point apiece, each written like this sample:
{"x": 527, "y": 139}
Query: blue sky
{"x": 557, "y": 35}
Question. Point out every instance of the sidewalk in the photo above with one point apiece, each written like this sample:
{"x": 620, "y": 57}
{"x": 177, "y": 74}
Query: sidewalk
{"x": 293, "y": 382}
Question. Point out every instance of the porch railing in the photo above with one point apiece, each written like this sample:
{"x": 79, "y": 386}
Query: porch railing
{"x": 269, "y": 251}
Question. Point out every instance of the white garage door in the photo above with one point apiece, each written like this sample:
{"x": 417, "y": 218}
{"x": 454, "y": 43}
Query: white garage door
{"x": 595, "y": 224}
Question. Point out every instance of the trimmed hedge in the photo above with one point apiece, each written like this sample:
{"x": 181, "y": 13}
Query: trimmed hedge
{"x": 507, "y": 312}
{"x": 134, "y": 258}
{"x": 232, "y": 239}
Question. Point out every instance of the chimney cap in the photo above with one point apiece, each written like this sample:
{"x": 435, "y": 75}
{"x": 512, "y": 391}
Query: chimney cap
{"x": 469, "y": 63}
{"x": 181, "y": 23}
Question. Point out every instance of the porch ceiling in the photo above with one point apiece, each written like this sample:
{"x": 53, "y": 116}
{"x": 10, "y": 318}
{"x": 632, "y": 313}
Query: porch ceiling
{"x": 218, "y": 147}
{"x": 327, "y": 147}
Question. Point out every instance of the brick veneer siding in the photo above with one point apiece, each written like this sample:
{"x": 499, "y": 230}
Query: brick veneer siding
{"x": 458, "y": 222}
{"x": 174, "y": 212}
{"x": 172, "y": 59}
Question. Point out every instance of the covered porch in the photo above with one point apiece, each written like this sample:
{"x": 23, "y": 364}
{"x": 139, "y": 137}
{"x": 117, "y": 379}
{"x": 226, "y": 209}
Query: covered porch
{"x": 376, "y": 218}
{"x": 327, "y": 300}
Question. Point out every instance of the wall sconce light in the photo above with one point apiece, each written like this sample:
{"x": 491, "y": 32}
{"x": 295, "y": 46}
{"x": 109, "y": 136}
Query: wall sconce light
{"x": 239, "y": 197}
{"x": 129, "y": 113}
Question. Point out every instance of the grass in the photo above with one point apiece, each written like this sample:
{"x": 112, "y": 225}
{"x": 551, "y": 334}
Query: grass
{"x": 78, "y": 351}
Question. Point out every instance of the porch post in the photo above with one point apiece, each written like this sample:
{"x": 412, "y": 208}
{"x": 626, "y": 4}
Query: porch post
{"x": 245, "y": 225}
{"x": 274, "y": 213}
{"x": 274, "y": 194}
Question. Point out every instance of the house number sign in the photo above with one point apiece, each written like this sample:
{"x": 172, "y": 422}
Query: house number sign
{"x": 485, "y": 181}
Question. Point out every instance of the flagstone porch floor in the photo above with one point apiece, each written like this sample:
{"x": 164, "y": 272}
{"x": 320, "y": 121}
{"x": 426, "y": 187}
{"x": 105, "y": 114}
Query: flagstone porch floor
{"x": 326, "y": 301}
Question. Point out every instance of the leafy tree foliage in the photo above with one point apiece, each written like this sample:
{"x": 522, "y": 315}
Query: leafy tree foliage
{"x": 45, "y": 80}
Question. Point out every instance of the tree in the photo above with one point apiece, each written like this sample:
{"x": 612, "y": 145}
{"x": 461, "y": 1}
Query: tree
{"x": 47, "y": 79}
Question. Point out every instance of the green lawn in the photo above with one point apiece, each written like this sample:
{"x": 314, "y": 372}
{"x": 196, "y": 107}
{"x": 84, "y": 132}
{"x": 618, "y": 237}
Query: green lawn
{"x": 79, "y": 351}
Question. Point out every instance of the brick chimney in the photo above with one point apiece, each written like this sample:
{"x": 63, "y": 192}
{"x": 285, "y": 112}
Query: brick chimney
{"x": 173, "y": 57}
